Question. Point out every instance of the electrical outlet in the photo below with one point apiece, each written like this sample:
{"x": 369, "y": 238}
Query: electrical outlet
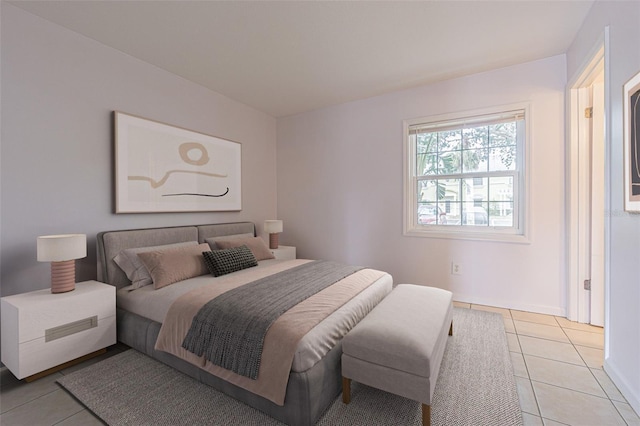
{"x": 456, "y": 268}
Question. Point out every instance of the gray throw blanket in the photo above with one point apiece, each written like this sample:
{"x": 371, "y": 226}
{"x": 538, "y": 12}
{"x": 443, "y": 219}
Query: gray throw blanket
{"x": 229, "y": 330}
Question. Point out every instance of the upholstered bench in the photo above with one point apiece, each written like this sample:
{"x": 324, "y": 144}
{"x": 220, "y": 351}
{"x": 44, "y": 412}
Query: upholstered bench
{"x": 398, "y": 346}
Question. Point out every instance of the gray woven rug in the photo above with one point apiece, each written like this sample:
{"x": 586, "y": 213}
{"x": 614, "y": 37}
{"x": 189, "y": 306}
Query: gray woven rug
{"x": 475, "y": 386}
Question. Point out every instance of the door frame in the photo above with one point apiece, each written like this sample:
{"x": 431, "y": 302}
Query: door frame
{"x": 577, "y": 297}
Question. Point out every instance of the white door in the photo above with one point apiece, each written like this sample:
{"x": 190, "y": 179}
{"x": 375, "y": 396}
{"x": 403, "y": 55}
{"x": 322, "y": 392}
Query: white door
{"x": 597, "y": 203}
{"x": 586, "y": 197}
{"x": 591, "y": 201}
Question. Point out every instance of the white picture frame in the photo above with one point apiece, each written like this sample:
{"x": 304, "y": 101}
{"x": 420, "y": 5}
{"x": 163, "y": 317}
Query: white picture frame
{"x": 631, "y": 114}
{"x": 163, "y": 168}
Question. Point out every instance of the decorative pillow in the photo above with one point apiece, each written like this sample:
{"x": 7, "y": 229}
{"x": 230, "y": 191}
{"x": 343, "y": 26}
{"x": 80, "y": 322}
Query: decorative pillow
{"x": 222, "y": 262}
{"x": 256, "y": 244}
{"x": 214, "y": 246}
{"x": 170, "y": 266}
{"x": 131, "y": 265}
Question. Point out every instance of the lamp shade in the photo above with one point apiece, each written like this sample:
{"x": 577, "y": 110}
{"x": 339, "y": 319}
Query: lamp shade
{"x": 273, "y": 226}
{"x": 60, "y": 248}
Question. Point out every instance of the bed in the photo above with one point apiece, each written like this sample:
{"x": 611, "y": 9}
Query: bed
{"x": 314, "y": 379}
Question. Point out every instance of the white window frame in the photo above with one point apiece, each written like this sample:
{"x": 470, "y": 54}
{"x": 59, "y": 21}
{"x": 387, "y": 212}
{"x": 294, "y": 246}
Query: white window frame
{"x": 517, "y": 234}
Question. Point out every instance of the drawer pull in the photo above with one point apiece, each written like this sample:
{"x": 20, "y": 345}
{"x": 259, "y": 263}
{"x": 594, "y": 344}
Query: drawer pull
{"x": 70, "y": 328}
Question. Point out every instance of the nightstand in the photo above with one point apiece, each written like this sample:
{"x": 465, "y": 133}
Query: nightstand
{"x": 43, "y": 331}
{"x": 284, "y": 252}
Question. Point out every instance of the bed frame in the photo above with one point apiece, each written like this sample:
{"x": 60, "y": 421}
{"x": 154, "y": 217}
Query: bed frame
{"x": 308, "y": 393}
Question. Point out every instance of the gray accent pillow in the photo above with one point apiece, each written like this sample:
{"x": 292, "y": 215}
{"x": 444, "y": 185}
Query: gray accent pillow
{"x": 135, "y": 270}
{"x": 222, "y": 262}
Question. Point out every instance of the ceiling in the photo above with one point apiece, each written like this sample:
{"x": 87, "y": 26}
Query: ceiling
{"x": 287, "y": 57}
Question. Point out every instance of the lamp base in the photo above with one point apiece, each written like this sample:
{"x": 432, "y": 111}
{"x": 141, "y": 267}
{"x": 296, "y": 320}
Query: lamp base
{"x": 273, "y": 241}
{"x": 63, "y": 276}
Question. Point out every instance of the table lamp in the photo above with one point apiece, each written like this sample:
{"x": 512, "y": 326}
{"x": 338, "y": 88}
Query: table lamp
{"x": 273, "y": 228}
{"x": 62, "y": 251}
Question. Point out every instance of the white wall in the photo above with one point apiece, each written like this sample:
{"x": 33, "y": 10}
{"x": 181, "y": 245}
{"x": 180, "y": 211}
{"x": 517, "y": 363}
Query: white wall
{"x": 58, "y": 93}
{"x": 340, "y": 189}
{"x": 622, "y": 322}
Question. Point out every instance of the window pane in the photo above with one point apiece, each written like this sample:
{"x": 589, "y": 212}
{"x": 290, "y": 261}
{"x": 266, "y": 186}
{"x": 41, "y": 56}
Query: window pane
{"x": 449, "y": 189}
{"x": 476, "y": 189}
{"x": 501, "y": 213}
{"x": 438, "y": 190}
{"x": 426, "y": 164}
{"x": 453, "y": 212}
{"x": 449, "y": 140}
{"x": 431, "y": 214}
{"x": 502, "y": 158}
{"x": 501, "y": 188}
{"x": 474, "y": 160}
{"x": 476, "y": 137}
{"x": 427, "y": 142}
{"x": 474, "y": 214}
{"x": 427, "y": 191}
{"x": 449, "y": 163}
{"x": 502, "y": 134}
{"x": 438, "y": 202}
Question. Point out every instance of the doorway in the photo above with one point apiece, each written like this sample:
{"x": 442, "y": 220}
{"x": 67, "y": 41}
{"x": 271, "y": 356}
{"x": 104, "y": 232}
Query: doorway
{"x": 586, "y": 195}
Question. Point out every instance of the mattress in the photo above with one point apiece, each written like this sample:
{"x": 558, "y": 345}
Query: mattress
{"x": 154, "y": 305}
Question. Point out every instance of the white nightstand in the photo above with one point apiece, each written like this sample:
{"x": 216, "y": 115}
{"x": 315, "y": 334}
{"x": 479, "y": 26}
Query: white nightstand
{"x": 41, "y": 330}
{"x": 284, "y": 252}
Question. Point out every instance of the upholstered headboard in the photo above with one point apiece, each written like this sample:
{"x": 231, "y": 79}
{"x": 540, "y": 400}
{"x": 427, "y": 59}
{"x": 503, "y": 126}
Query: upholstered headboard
{"x": 110, "y": 243}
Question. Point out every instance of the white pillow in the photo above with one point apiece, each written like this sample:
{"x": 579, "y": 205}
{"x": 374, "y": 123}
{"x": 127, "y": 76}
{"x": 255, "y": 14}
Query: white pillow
{"x": 133, "y": 267}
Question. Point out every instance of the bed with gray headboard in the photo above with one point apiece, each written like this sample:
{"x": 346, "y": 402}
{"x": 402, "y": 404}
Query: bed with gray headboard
{"x": 312, "y": 385}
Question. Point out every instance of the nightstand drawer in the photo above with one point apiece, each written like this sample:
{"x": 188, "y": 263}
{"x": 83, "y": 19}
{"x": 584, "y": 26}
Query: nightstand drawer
{"x": 38, "y": 355}
{"x": 46, "y": 311}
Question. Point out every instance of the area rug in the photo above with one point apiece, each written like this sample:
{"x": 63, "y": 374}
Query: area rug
{"x": 475, "y": 386}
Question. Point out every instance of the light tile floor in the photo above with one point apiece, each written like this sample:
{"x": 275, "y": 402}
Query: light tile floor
{"x": 557, "y": 364}
{"x": 558, "y": 369}
{"x": 43, "y": 402}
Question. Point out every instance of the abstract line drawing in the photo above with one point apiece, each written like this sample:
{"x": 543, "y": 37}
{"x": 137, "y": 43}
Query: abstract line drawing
{"x": 163, "y": 168}
{"x": 158, "y": 183}
{"x": 199, "y": 195}
{"x": 631, "y": 114}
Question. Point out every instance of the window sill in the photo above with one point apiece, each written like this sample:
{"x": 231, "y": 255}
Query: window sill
{"x": 491, "y": 235}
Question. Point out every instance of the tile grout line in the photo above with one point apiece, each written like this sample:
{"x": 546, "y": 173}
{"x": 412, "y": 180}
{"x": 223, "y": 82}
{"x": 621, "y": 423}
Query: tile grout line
{"x": 572, "y": 390}
{"x": 533, "y": 391}
{"x": 30, "y": 401}
{"x": 596, "y": 379}
{"x": 557, "y": 360}
{"x": 68, "y": 417}
{"x": 535, "y": 395}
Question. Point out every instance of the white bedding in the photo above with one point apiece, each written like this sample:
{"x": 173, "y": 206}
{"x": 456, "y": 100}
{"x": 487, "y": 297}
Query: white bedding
{"x": 154, "y": 305}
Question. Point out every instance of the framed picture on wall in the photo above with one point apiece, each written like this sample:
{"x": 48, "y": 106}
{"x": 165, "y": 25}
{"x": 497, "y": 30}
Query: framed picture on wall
{"x": 631, "y": 111}
{"x": 162, "y": 168}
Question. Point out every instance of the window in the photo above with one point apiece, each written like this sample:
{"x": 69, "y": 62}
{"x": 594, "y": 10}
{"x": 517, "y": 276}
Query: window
{"x": 465, "y": 174}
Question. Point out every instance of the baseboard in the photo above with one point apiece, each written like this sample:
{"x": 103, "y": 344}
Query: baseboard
{"x": 619, "y": 380}
{"x": 508, "y": 304}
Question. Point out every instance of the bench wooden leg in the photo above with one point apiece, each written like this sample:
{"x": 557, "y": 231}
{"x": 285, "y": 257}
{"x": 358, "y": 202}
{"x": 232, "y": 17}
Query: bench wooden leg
{"x": 451, "y": 329}
{"x": 426, "y": 415}
{"x": 346, "y": 390}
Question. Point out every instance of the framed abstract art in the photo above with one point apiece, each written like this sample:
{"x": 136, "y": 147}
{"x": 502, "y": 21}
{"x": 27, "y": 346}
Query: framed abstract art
{"x": 631, "y": 111}
{"x": 162, "y": 168}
